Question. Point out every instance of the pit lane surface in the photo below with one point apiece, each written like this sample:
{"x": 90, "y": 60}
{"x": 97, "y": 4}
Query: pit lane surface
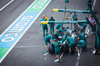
{"x": 30, "y": 49}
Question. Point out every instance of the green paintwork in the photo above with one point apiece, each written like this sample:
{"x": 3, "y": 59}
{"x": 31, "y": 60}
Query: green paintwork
{"x": 38, "y": 6}
{"x": 3, "y": 51}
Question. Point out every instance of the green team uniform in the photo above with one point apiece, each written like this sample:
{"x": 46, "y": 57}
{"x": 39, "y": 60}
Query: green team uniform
{"x": 47, "y": 39}
{"x": 84, "y": 26}
{"x": 71, "y": 41}
{"x": 88, "y": 2}
{"x": 44, "y": 27}
{"x": 82, "y": 36}
{"x": 57, "y": 47}
{"x": 74, "y": 18}
{"x": 61, "y": 31}
{"x": 51, "y": 26}
{"x": 82, "y": 44}
{"x": 58, "y": 26}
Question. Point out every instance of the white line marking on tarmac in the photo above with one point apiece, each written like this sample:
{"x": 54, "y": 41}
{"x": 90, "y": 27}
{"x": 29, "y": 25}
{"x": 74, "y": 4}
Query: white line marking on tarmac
{"x": 24, "y": 31}
{"x": 93, "y": 7}
{"x": 46, "y": 54}
{"x": 45, "y": 58}
{"x": 61, "y": 55}
{"x": 78, "y": 58}
{"x": 6, "y": 5}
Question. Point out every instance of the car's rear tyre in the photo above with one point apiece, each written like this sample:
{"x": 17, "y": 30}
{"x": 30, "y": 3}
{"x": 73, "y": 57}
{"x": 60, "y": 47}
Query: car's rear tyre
{"x": 51, "y": 49}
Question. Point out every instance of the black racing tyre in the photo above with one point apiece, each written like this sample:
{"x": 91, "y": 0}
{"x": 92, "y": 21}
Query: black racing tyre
{"x": 51, "y": 49}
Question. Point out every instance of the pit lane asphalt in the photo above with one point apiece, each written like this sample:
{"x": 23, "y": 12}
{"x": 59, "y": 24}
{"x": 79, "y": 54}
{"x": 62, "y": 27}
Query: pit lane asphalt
{"x": 29, "y": 51}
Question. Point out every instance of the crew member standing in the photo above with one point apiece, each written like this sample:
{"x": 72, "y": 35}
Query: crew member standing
{"x": 52, "y": 25}
{"x": 74, "y": 18}
{"x": 89, "y": 2}
{"x": 44, "y": 26}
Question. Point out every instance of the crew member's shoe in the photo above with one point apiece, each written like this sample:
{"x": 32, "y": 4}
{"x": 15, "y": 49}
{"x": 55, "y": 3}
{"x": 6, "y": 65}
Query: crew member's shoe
{"x": 56, "y": 60}
{"x": 59, "y": 61}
